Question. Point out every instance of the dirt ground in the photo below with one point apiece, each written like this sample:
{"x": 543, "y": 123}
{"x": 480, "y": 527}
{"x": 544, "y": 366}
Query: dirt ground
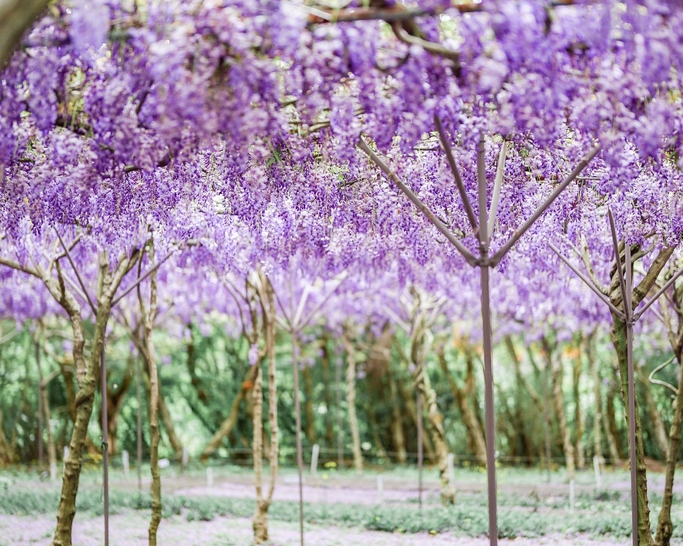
{"x": 130, "y": 530}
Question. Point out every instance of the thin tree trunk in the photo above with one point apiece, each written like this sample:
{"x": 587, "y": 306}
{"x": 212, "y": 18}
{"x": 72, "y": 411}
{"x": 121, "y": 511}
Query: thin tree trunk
{"x": 578, "y": 412}
{"x": 115, "y": 400}
{"x": 374, "y": 427}
{"x": 327, "y": 381}
{"x": 229, "y": 423}
{"x": 308, "y": 405}
{"x": 619, "y": 341}
{"x": 597, "y": 399}
{"x": 664, "y": 523}
{"x": 165, "y": 415}
{"x": 351, "y": 400}
{"x": 148, "y": 316}
{"x": 396, "y": 421}
{"x": 5, "y": 450}
{"x": 462, "y": 397}
{"x": 87, "y": 374}
{"x": 260, "y": 523}
{"x": 655, "y": 418}
{"x": 558, "y": 401}
{"x": 611, "y": 430}
{"x": 418, "y": 352}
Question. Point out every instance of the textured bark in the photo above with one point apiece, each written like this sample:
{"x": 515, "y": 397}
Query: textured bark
{"x": 163, "y": 412}
{"x": 114, "y": 404}
{"x": 86, "y": 375}
{"x": 619, "y": 341}
{"x": 148, "y": 314}
{"x": 654, "y": 416}
{"x": 664, "y": 523}
{"x": 229, "y": 423}
{"x": 620, "y": 344}
{"x": 260, "y": 521}
{"x": 351, "y": 400}
{"x": 15, "y": 18}
{"x": 5, "y": 450}
{"x": 462, "y": 396}
{"x": 558, "y": 401}
{"x": 418, "y": 353}
{"x": 169, "y": 427}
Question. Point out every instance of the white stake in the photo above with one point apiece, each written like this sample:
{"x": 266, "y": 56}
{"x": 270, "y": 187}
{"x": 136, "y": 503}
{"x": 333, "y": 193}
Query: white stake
{"x": 380, "y": 489}
{"x": 53, "y": 472}
{"x": 126, "y": 463}
{"x": 186, "y": 457}
{"x": 314, "y": 459}
{"x": 596, "y": 469}
{"x": 571, "y": 495}
{"x": 451, "y": 468}
{"x": 209, "y": 477}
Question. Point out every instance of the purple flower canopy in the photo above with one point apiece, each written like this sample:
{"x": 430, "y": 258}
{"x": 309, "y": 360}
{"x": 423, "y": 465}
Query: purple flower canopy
{"x": 233, "y": 126}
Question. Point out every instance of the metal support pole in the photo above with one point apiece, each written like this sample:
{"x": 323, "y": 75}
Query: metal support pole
{"x": 299, "y": 454}
{"x": 105, "y": 443}
{"x": 420, "y": 448}
{"x": 41, "y": 450}
{"x": 490, "y": 417}
{"x": 628, "y": 307}
{"x": 340, "y": 422}
{"x": 632, "y": 432}
{"x": 138, "y": 386}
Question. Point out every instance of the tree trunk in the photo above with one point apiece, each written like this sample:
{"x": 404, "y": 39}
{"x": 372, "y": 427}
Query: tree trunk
{"x": 418, "y": 352}
{"x": 148, "y": 316}
{"x": 351, "y": 400}
{"x": 655, "y": 418}
{"x": 597, "y": 399}
{"x": 619, "y": 341}
{"x": 308, "y": 405}
{"x": 155, "y": 520}
{"x": 87, "y": 374}
{"x": 396, "y": 420}
{"x": 462, "y": 397}
{"x": 664, "y": 523}
{"x": 115, "y": 400}
{"x": 17, "y": 16}
{"x": 374, "y": 427}
{"x": 260, "y": 522}
{"x": 558, "y": 400}
{"x": 5, "y": 451}
{"x": 327, "y": 381}
{"x": 165, "y": 415}
{"x": 229, "y": 423}
{"x": 578, "y": 412}
{"x": 611, "y": 429}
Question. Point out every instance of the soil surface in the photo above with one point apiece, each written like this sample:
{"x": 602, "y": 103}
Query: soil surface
{"x": 130, "y": 530}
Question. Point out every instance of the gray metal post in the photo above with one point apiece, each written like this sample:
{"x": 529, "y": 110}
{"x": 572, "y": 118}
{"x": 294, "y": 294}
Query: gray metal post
{"x": 299, "y": 452}
{"x": 420, "y": 449}
{"x": 105, "y": 443}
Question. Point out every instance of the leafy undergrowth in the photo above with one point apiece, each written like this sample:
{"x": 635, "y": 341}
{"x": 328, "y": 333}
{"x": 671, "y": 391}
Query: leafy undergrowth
{"x": 595, "y": 516}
